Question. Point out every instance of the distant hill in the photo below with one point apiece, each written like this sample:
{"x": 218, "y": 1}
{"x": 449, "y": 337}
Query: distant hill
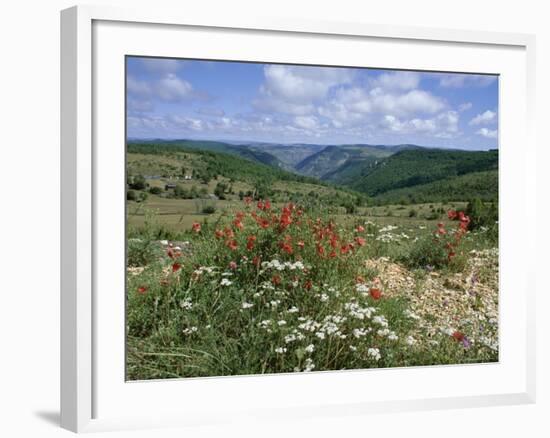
{"x": 387, "y": 173}
{"x": 414, "y": 167}
{"x": 482, "y": 185}
{"x": 328, "y": 160}
{"x": 252, "y": 153}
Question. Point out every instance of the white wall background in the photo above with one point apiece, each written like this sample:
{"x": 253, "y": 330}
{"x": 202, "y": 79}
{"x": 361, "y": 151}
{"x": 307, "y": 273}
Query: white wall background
{"x": 29, "y": 218}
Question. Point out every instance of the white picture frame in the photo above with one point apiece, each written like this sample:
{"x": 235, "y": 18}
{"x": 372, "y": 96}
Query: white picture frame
{"x": 86, "y": 377}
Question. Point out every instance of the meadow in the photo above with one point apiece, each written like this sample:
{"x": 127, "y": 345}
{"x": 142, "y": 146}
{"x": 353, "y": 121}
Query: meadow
{"x": 288, "y": 274}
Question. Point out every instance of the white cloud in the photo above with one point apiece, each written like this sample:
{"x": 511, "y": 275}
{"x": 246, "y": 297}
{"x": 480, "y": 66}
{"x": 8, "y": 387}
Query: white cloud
{"x": 170, "y": 88}
{"x": 351, "y": 106}
{"x": 444, "y": 125}
{"x": 456, "y": 80}
{"x": 295, "y": 89}
{"x": 484, "y": 118}
{"x": 465, "y": 106}
{"x": 488, "y": 133}
{"x": 303, "y": 84}
{"x": 400, "y": 80}
{"x": 306, "y": 122}
{"x": 137, "y": 88}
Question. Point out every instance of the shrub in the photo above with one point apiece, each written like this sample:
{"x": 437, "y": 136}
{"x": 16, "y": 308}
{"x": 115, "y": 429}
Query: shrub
{"x": 141, "y": 252}
{"x": 482, "y": 214}
{"x": 138, "y": 183}
{"x": 155, "y": 190}
{"x": 412, "y": 212}
{"x": 131, "y": 195}
{"x": 142, "y": 196}
{"x": 424, "y": 252}
{"x": 209, "y": 209}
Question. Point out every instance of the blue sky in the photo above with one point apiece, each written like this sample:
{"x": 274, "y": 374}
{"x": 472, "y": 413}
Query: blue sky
{"x": 237, "y": 101}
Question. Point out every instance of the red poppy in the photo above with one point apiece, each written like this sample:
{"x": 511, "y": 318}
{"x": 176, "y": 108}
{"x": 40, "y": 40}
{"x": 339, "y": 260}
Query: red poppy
{"x": 250, "y": 242}
{"x": 267, "y": 204}
{"x": 458, "y": 336}
{"x": 360, "y": 241}
{"x": 320, "y": 249}
{"x": 276, "y": 280}
{"x": 375, "y": 293}
{"x": 287, "y": 247}
{"x": 176, "y": 267}
{"x": 219, "y": 234}
{"x": 360, "y": 229}
{"x": 308, "y": 284}
{"x": 346, "y": 248}
{"x": 238, "y": 224}
{"x": 263, "y": 223}
{"x": 256, "y": 261}
{"x": 260, "y": 205}
{"x": 452, "y": 214}
{"x": 196, "y": 227}
{"x": 332, "y": 254}
{"x": 231, "y": 244}
{"x": 228, "y": 232}
{"x": 142, "y": 289}
{"x": 232, "y": 265}
{"x": 300, "y": 244}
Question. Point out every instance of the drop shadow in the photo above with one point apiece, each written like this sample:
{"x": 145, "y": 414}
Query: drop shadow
{"x": 51, "y": 417}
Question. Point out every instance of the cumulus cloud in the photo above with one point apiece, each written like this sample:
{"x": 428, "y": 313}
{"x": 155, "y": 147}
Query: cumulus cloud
{"x": 306, "y": 122}
{"x": 171, "y": 88}
{"x": 400, "y": 80}
{"x": 444, "y": 125}
{"x": 488, "y": 133}
{"x": 456, "y": 80}
{"x": 295, "y": 89}
{"x": 141, "y": 94}
{"x": 350, "y": 106}
{"x": 138, "y": 88}
{"x": 464, "y": 106}
{"x": 484, "y": 118}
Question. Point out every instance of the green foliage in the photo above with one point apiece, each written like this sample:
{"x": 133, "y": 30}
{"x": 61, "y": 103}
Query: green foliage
{"x": 422, "y": 166}
{"x": 412, "y": 212}
{"x": 138, "y": 182}
{"x": 483, "y": 185}
{"x": 482, "y": 214}
{"x": 131, "y": 195}
{"x": 155, "y": 190}
{"x": 209, "y": 209}
{"x": 426, "y": 252}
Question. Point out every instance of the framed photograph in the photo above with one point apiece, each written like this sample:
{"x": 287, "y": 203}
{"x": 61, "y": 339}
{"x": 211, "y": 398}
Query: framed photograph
{"x": 268, "y": 218}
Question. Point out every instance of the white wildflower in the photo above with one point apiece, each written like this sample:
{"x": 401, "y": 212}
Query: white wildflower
{"x": 186, "y": 304}
{"x": 225, "y": 282}
{"x": 374, "y": 353}
{"x": 189, "y": 330}
{"x": 247, "y": 305}
{"x": 280, "y": 350}
{"x": 310, "y": 348}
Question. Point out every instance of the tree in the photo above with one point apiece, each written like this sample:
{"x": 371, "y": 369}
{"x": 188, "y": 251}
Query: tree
{"x": 131, "y": 195}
